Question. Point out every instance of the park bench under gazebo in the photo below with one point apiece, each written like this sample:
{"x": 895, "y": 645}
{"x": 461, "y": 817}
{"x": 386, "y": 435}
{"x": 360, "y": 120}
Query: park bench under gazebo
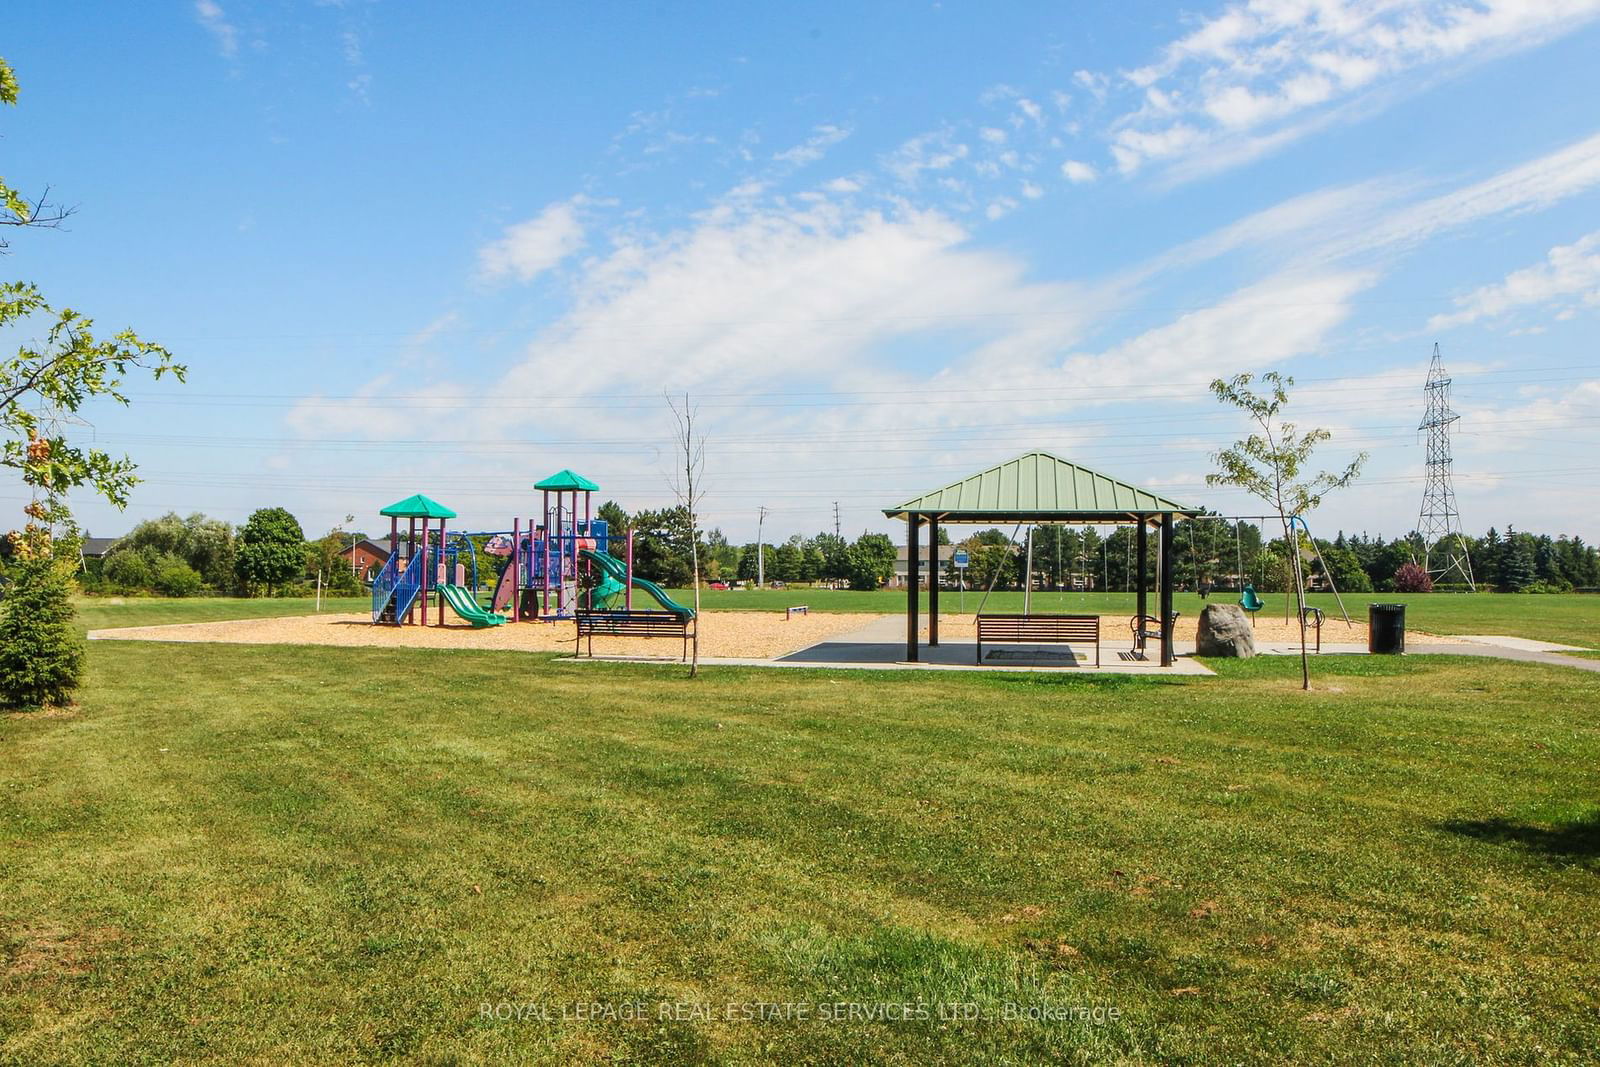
{"x": 1037, "y": 488}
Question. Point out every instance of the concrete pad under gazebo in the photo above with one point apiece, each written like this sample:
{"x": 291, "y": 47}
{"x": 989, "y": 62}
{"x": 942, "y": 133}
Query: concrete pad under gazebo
{"x": 1038, "y": 488}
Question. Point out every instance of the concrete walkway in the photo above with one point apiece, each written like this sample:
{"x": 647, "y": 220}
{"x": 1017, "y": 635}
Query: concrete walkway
{"x": 1519, "y": 655}
{"x": 881, "y": 645}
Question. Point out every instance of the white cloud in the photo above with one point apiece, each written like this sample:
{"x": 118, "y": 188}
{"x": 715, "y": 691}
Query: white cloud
{"x": 528, "y": 249}
{"x": 993, "y": 135}
{"x": 215, "y": 20}
{"x": 1531, "y": 186}
{"x": 1243, "y": 81}
{"x": 1257, "y": 326}
{"x": 1569, "y": 270}
{"x": 935, "y": 151}
{"x": 1032, "y": 191}
{"x": 814, "y": 147}
{"x": 999, "y": 208}
{"x": 433, "y": 329}
{"x": 1078, "y": 172}
{"x": 1097, "y": 84}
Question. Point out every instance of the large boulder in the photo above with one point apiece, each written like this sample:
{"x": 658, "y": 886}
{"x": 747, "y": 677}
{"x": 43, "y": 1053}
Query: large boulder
{"x": 1225, "y": 631}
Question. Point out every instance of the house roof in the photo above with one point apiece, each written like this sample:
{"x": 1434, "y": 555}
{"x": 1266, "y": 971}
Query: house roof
{"x": 97, "y": 546}
{"x": 377, "y": 546}
{"x": 1039, "y": 487}
{"x": 417, "y": 506}
{"x": 567, "y": 479}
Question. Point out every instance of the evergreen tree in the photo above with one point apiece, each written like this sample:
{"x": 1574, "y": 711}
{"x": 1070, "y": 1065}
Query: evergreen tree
{"x": 41, "y": 654}
{"x": 1517, "y": 567}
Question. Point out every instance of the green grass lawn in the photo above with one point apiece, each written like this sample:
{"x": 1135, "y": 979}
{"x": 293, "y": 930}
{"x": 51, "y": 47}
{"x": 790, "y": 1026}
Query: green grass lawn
{"x": 276, "y": 855}
{"x": 1572, "y": 619}
{"x": 99, "y": 613}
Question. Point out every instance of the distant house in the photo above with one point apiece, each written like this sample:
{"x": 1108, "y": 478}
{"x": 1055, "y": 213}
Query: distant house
{"x": 94, "y": 548}
{"x": 902, "y": 565}
{"x": 367, "y": 557}
{"x": 97, "y": 547}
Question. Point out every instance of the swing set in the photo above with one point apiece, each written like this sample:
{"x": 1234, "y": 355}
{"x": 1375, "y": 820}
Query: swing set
{"x": 1248, "y": 599}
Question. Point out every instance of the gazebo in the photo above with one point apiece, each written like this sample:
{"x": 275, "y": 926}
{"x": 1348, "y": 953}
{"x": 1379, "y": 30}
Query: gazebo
{"x": 1038, "y": 488}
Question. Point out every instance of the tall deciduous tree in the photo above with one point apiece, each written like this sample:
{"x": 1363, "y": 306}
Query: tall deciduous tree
{"x": 271, "y": 549}
{"x": 1270, "y": 464}
{"x": 50, "y": 378}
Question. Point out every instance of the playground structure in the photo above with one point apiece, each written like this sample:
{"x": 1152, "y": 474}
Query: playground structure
{"x": 554, "y": 568}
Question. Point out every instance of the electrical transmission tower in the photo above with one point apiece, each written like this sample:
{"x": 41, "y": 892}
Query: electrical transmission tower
{"x": 1444, "y": 546}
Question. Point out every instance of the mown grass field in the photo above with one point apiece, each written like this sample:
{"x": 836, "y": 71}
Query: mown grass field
{"x": 98, "y": 613}
{"x": 255, "y": 854}
{"x": 1572, "y": 619}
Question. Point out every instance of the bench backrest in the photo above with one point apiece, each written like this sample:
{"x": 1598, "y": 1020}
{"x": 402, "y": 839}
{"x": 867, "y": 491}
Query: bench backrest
{"x": 632, "y": 622}
{"x": 1039, "y": 627}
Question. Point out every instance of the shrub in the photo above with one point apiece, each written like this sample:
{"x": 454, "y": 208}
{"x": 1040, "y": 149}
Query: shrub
{"x": 174, "y": 577}
{"x": 130, "y": 568}
{"x": 1411, "y": 578}
{"x": 41, "y": 653}
{"x": 1543, "y": 587}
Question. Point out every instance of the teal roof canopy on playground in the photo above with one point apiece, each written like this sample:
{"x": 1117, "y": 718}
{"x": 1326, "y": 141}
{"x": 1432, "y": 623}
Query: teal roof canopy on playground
{"x": 1039, "y": 487}
{"x": 566, "y": 479}
{"x": 417, "y": 506}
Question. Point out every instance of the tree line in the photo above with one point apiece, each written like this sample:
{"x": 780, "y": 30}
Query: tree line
{"x": 661, "y": 553}
{"x": 1211, "y": 553}
{"x": 197, "y": 556}
{"x": 269, "y": 555}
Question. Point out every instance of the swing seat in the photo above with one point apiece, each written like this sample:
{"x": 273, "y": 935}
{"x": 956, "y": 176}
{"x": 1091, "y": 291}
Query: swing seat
{"x": 1249, "y": 601}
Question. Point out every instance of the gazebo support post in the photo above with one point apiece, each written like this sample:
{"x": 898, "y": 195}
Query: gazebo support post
{"x": 933, "y": 581}
{"x": 913, "y": 579}
{"x": 1141, "y": 581}
{"x": 1168, "y": 536}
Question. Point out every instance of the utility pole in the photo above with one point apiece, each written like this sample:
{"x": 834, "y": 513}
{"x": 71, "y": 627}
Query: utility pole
{"x": 1439, "y": 522}
{"x": 761, "y": 556}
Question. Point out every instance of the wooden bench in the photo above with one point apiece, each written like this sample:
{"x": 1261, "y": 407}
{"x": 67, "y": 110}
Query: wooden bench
{"x": 1148, "y": 627}
{"x": 632, "y": 624}
{"x": 1039, "y": 630}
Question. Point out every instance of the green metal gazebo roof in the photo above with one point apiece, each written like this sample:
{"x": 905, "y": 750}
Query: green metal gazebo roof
{"x": 566, "y": 479}
{"x": 417, "y": 506}
{"x": 1039, "y": 487}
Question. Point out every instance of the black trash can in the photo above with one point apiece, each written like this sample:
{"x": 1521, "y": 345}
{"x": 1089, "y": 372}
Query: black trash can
{"x": 1386, "y": 629}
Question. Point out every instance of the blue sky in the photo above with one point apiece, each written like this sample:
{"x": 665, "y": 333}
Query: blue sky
{"x": 881, "y": 245}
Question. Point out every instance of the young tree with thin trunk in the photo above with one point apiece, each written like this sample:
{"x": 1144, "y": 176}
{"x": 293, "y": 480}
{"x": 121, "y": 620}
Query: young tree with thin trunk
{"x": 686, "y": 485}
{"x": 1268, "y": 465}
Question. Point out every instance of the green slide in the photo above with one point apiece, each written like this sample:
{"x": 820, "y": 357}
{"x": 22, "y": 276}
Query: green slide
{"x": 464, "y": 604}
{"x": 616, "y": 573}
